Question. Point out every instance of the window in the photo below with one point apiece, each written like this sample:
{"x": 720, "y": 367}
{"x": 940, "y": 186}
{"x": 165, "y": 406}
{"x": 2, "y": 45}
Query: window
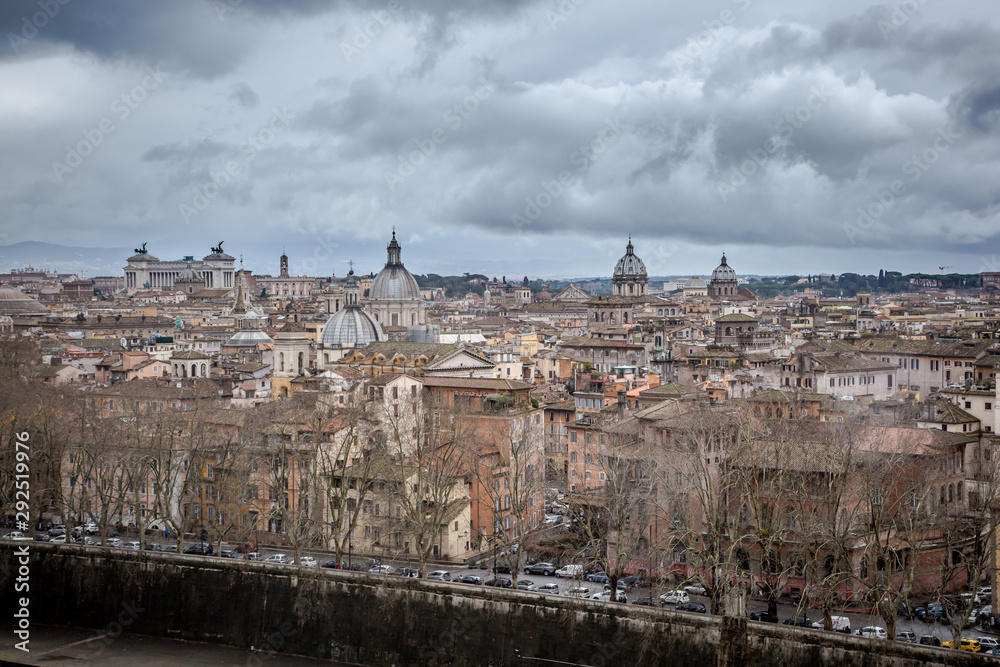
{"x": 572, "y": 437}
{"x": 588, "y": 458}
{"x": 602, "y": 476}
{"x": 572, "y": 457}
{"x": 586, "y": 475}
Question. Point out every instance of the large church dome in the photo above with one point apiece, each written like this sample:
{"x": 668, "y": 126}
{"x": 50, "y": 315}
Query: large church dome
{"x": 16, "y": 302}
{"x": 394, "y": 281}
{"x": 351, "y": 327}
{"x": 723, "y": 271}
{"x": 630, "y": 264}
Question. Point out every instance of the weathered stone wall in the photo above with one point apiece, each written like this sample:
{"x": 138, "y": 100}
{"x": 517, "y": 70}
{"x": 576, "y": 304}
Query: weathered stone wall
{"x": 379, "y": 620}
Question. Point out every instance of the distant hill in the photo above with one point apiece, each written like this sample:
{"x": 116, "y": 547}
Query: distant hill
{"x": 63, "y": 259}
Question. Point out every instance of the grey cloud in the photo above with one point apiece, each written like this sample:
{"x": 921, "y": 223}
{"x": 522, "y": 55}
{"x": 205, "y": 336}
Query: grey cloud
{"x": 244, "y": 95}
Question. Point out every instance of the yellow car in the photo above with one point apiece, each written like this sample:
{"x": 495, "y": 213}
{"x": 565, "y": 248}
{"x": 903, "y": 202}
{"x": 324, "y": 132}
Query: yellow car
{"x": 967, "y": 645}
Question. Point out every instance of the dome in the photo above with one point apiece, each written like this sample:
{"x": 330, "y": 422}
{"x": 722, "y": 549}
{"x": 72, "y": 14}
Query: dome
{"x": 394, "y": 281}
{"x": 723, "y": 271}
{"x": 629, "y": 264}
{"x": 16, "y": 302}
{"x": 248, "y": 338}
{"x": 544, "y": 295}
{"x": 351, "y": 326}
{"x": 189, "y": 275}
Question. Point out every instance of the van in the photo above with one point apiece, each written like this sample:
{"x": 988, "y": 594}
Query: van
{"x": 840, "y": 624}
{"x": 570, "y": 571}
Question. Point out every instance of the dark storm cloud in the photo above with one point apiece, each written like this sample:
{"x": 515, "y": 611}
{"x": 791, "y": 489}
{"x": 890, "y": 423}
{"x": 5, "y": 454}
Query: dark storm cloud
{"x": 767, "y": 127}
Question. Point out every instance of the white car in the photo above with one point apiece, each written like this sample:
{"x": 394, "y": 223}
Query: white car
{"x": 281, "y": 559}
{"x": 988, "y": 642}
{"x": 61, "y": 539}
{"x": 695, "y": 589}
{"x": 308, "y": 561}
{"x": 132, "y": 545}
{"x": 382, "y": 569}
{"x": 570, "y": 571}
{"x": 873, "y": 632}
{"x": 114, "y": 542}
{"x": 581, "y": 592}
{"x": 674, "y": 597}
{"x": 17, "y": 536}
{"x": 439, "y": 575}
{"x": 605, "y": 596}
{"x": 551, "y": 589}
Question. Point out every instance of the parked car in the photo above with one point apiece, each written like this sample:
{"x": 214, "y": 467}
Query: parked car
{"x": 578, "y": 592}
{"x": 469, "y": 579}
{"x": 502, "y": 568}
{"x": 545, "y": 569}
{"x": 114, "y": 542}
{"x": 228, "y": 553}
{"x": 409, "y": 572}
{"x": 570, "y": 571}
{"x": 170, "y": 548}
{"x": 525, "y": 585}
{"x": 309, "y": 561}
{"x": 691, "y": 606}
{"x": 201, "y": 549}
{"x": 382, "y": 569}
{"x": 132, "y": 545}
{"x": 801, "y": 622}
{"x": 605, "y": 596}
{"x": 965, "y": 644}
{"x": 57, "y": 530}
{"x": 695, "y": 589}
{"x": 253, "y": 555}
{"x": 332, "y": 564}
{"x": 839, "y": 624}
{"x": 552, "y": 589}
{"x": 280, "y": 559}
{"x": 906, "y": 636}
{"x": 674, "y": 597}
{"x": 761, "y": 616}
{"x": 647, "y": 601}
{"x": 42, "y": 537}
{"x": 929, "y": 640}
{"x": 17, "y": 536}
{"x": 439, "y": 575}
{"x": 499, "y": 582}
{"x": 630, "y": 581}
{"x": 58, "y": 539}
{"x": 620, "y": 586}
{"x": 598, "y": 577}
{"x": 985, "y": 593}
{"x": 873, "y": 632}
{"x": 988, "y": 642}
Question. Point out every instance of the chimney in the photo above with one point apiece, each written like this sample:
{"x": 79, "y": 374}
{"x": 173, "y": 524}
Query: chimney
{"x": 622, "y": 405}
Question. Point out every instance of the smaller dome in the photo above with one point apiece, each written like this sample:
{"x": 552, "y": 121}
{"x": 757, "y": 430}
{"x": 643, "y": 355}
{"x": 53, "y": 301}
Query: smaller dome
{"x": 351, "y": 326}
{"x": 16, "y": 302}
{"x": 723, "y": 271}
{"x": 543, "y": 296}
{"x": 630, "y": 265}
{"x": 189, "y": 275}
{"x": 248, "y": 338}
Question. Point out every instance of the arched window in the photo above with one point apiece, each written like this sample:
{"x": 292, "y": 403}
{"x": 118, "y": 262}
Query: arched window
{"x": 204, "y": 370}
{"x": 194, "y": 370}
{"x": 281, "y": 361}
{"x": 301, "y": 366}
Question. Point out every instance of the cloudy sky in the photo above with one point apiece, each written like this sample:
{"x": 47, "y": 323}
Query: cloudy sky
{"x": 508, "y": 136}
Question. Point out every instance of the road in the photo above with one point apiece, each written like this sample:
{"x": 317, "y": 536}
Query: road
{"x": 785, "y": 611}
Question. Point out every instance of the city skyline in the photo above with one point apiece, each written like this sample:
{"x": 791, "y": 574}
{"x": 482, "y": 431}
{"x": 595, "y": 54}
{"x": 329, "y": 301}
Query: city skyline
{"x": 853, "y": 137}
